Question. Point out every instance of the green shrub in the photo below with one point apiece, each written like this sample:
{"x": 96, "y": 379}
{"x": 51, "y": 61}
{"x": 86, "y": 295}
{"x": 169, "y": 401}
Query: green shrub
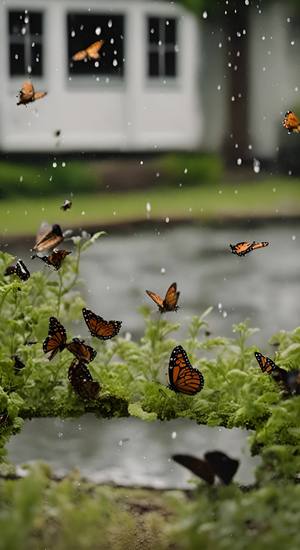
{"x": 191, "y": 168}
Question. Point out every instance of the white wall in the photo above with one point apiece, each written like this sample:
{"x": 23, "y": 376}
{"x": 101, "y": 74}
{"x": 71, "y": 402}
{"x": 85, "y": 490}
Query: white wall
{"x": 134, "y": 113}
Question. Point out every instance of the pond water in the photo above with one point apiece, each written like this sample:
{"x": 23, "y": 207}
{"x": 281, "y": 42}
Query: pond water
{"x": 127, "y": 451}
{"x": 263, "y": 286}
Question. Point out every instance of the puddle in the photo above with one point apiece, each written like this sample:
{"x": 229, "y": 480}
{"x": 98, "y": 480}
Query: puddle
{"x": 127, "y": 451}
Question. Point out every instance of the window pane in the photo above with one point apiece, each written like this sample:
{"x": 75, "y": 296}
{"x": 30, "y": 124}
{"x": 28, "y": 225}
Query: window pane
{"x": 17, "y": 25}
{"x": 36, "y": 59}
{"x": 83, "y": 30}
{"x": 170, "y": 25}
{"x": 170, "y": 64}
{"x": 153, "y": 30}
{"x": 153, "y": 69}
{"x": 16, "y": 59}
{"x": 35, "y": 23}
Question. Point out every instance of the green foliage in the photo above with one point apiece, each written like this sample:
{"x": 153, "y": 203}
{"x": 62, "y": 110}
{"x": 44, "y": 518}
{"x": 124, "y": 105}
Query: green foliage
{"x": 191, "y": 168}
{"x": 44, "y": 180}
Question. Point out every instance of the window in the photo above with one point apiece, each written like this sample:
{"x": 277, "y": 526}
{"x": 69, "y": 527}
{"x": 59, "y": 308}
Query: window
{"x": 25, "y": 43}
{"x": 162, "y": 47}
{"x": 83, "y": 30}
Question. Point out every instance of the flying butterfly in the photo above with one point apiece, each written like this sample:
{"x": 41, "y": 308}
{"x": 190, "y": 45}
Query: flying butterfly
{"x": 82, "y": 381}
{"x": 291, "y": 122}
{"x": 183, "y": 378}
{"x": 169, "y": 303}
{"x": 66, "y": 205}
{"x": 215, "y": 463}
{"x": 98, "y": 327}
{"x": 48, "y": 237}
{"x": 244, "y": 247}
{"x": 18, "y": 269}
{"x": 56, "y": 258}
{"x": 27, "y": 94}
{"x": 91, "y": 52}
{"x": 81, "y": 350}
{"x": 18, "y": 364}
{"x": 56, "y": 339}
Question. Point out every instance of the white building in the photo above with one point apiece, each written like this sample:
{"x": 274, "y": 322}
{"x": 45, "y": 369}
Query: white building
{"x": 143, "y": 94}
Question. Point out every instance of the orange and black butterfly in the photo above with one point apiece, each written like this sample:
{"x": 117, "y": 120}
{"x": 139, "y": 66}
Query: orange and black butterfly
{"x": 66, "y": 205}
{"x": 243, "y": 248}
{"x": 56, "y": 258}
{"x": 27, "y": 94}
{"x": 82, "y": 381}
{"x": 183, "y": 378}
{"x": 92, "y": 52}
{"x": 98, "y": 327}
{"x": 48, "y": 237}
{"x": 56, "y": 339}
{"x": 266, "y": 364}
{"x": 215, "y": 463}
{"x": 81, "y": 350}
{"x": 18, "y": 269}
{"x": 291, "y": 122}
{"x": 18, "y": 364}
{"x": 169, "y": 303}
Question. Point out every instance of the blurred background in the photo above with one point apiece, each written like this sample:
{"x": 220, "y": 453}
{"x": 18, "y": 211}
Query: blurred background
{"x": 171, "y": 141}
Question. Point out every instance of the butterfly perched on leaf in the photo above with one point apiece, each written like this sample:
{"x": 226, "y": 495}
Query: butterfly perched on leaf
{"x": 244, "y": 247}
{"x": 81, "y": 350}
{"x": 56, "y": 258}
{"x": 82, "y": 381}
{"x": 98, "y": 327}
{"x": 267, "y": 365}
{"x": 48, "y": 237}
{"x": 56, "y": 339}
{"x": 214, "y": 464}
{"x": 66, "y": 205}
{"x": 27, "y": 94}
{"x": 183, "y": 378}
{"x": 18, "y": 269}
{"x": 291, "y": 122}
{"x": 91, "y": 52}
{"x": 169, "y": 302}
{"x": 18, "y": 364}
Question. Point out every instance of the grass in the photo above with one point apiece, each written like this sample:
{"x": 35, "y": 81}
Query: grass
{"x": 267, "y": 197}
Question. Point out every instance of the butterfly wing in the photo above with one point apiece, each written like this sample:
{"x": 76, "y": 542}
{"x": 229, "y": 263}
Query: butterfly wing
{"x": 48, "y": 238}
{"x": 98, "y": 327}
{"x": 197, "y": 466}
{"x": 56, "y": 339}
{"x": 291, "y": 122}
{"x": 291, "y": 381}
{"x": 266, "y": 364}
{"x": 22, "y": 271}
{"x": 81, "y": 350}
{"x": 171, "y": 298}
{"x": 82, "y": 381}
{"x": 26, "y": 94}
{"x": 260, "y": 244}
{"x": 80, "y": 56}
{"x": 94, "y": 49}
{"x": 38, "y": 95}
{"x": 66, "y": 205}
{"x": 56, "y": 258}
{"x": 183, "y": 377}
{"x": 222, "y": 465}
{"x": 157, "y": 299}
{"x": 18, "y": 364}
{"x": 241, "y": 248}
{"x": 10, "y": 270}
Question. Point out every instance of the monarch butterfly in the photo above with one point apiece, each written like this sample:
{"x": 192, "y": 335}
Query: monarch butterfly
{"x": 291, "y": 122}
{"x": 56, "y": 258}
{"x": 266, "y": 364}
{"x": 82, "y": 381}
{"x": 48, "y": 237}
{"x": 66, "y": 205}
{"x": 169, "y": 303}
{"x": 19, "y": 269}
{"x": 215, "y": 463}
{"x": 81, "y": 350}
{"x": 28, "y": 95}
{"x": 183, "y": 378}
{"x": 18, "y": 364}
{"x": 244, "y": 247}
{"x": 56, "y": 339}
{"x": 91, "y": 52}
{"x": 98, "y": 327}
